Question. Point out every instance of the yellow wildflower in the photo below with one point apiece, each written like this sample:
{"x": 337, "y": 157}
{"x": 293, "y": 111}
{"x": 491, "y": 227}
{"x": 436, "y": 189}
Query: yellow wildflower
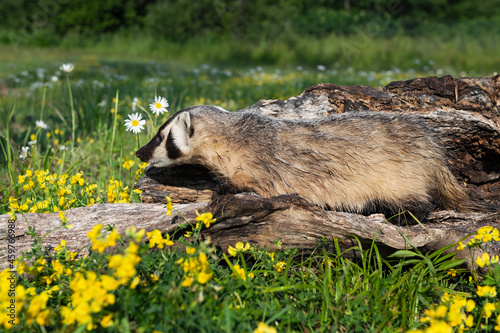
{"x": 134, "y": 234}
{"x": 264, "y": 328}
{"x": 169, "y": 206}
{"x": 486, "y": 291}
{"x": 107, "y": 321}
{"x": 497, "y": 327}
{"x": 156, "y": 238}
{"x": 240, "y": 272}
{"x": 128, "y": 164}
{"x": 206, "y": 218}
{"x": 124, "y": 266}
{"x": 469, "y": 322}
{"x": 488, "y": 309}
{"x": 37, "y": 304}
{"x": 135, "y": 282}
{"x": 485, "y": 260}
{"x": 487, "y": 234}
{"x": 61, "y": 245}
{"x": 204, "y": 277}
{"x": 471, "y": 305}
{"x": 188, "y": 281}
{"x": 239, "y": 247}
{"x": 280, "y": 266}
{"x": 92, "y": 235}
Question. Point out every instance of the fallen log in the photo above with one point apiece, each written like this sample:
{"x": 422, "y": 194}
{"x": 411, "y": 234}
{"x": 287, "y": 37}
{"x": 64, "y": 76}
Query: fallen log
{"x": 465, "y": 111}
{"x": 260, "y": 221}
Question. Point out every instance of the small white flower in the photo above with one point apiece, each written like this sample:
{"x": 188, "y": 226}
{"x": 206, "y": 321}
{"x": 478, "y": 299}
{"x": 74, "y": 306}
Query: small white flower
{"x": 63, "y": 148}
{"x": 31, "y": 143}
{"x": 41, "y": 124}
{"x": 68, "y": 68}
{"x": 24, "y": 152}
{"x": 135, "y": 123}
{"x": 321, "y": 67}
{"x": 54, "y": 78}
{"x": 159, "y": 106}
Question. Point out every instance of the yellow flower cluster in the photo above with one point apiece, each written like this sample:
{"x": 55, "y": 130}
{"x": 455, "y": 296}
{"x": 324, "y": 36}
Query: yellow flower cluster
{"x": 484, "y": 234}
{"x": 50, "y": 192}
{"x": 169, "y": 206}
{"x": 264, "y": 328}
{"x": 239, "y": 272}
{"x": 156, "y": 238}
{"x": 11, "y": 299}
{"x": 90, "y": 295}
{"x": 485, "y": 260}
{"x": 239, "y": 247}
{"x": 486, "y": 291}
{"x": 128, "y": 164}
{"x": 205, "y": 218}
{"x": 124, "y": 265}
{"x": 100, "y": 243}
{"x": 139, "y": 172}
{"x": 196, "y": 267}
{"x": 117, "y": 193}
{"x": 37, "y": 310}
{"x": 455, "y": 313}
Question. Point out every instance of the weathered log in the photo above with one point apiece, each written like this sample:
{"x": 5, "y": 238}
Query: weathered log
{"x": 259, "y": 221}
{"x": 464, "y": 111}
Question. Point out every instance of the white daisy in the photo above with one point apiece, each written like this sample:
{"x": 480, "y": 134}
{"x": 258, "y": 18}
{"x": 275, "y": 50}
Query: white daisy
{"x": 159, "y": 106}
{"x": 41, "y": 124}
{"x": 68, "y": 68}
{"x": 24, "y": 152}
{"x": 135, "y": 123}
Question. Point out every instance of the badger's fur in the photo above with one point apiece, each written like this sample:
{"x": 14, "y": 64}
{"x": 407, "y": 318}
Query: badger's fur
{"x": 358, "y": 162}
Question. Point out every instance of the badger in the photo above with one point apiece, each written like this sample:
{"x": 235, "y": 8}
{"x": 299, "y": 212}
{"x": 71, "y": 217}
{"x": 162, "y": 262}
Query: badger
{"x": 360, "y": 162}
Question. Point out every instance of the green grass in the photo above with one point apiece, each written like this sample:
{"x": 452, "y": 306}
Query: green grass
{"x": 321, "y": 292}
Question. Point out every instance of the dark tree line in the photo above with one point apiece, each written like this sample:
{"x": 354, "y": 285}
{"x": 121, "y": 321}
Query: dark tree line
{"x": 180, "y": 19}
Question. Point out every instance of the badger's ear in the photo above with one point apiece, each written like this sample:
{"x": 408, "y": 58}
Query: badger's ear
{"x": 180, "y": 132}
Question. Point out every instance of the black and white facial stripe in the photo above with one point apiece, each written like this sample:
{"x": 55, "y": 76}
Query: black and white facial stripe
{"x": 171, "y": 140}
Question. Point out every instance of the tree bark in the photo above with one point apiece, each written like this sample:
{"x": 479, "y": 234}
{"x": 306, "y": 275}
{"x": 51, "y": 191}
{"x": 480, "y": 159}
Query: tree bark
{"x": 465, "y": 112}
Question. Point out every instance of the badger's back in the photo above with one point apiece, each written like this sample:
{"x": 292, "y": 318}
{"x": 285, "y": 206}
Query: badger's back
{"x": 358, "y": 162}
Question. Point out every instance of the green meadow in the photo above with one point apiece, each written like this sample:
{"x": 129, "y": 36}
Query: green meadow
{"x": 64, "y": 144}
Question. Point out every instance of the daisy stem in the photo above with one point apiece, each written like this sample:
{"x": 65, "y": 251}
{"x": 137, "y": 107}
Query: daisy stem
{"x": 7, "y": 149}
{"x": 43, "y": 101}
{"x": 73, "y": 116}
{"x": 138, "y": 141}
{"x": 114, "y": 128}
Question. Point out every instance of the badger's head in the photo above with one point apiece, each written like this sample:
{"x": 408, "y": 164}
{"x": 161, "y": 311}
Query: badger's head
{"x": 177, "y": 140}
{"x": 170, "y": 145}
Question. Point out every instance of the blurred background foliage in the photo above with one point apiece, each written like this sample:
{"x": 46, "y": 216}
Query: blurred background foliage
{"x": 47, "y": 22}
{"x": 274, "y": 32}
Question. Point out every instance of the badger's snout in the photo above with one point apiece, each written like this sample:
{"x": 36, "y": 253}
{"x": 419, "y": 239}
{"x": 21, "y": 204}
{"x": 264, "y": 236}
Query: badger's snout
{"x": 144, "y": 153}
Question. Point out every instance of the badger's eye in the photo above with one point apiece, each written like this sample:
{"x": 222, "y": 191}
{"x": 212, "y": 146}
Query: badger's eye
{"x": 159, "y": 138}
